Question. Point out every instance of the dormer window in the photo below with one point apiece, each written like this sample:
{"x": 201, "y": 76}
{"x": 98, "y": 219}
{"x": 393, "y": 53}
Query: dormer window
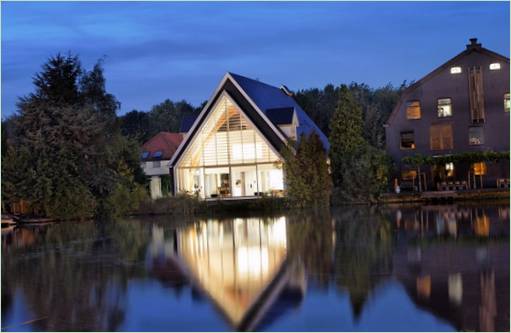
{"x": 456, "y": 70}
{"x": 495, "y": 66}
{"x": 145, "y": 155}
{"x": 157, "y": 154}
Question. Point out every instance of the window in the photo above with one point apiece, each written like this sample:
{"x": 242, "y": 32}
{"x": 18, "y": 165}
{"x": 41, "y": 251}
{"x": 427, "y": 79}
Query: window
{"x": 495, "y": 66}
{"x": 479, "y": 169}
{"x": 145, "y": 154}
{"x": 455, "y": 70}
{"x": 156, "y": 164}
{"x": 157, "y": 154}
{"x": 507, "y": 103}
{"x": 444, "y": 107}
{"x": 413, "y": 110}
{"x": 449, "y": 169}
{"x": 407, "y": 140}
{"x": 408, "y": 174}
{"x": 476, "y": 94}
{"x": 475, "y": 135}
{"x": 441, "y": 137}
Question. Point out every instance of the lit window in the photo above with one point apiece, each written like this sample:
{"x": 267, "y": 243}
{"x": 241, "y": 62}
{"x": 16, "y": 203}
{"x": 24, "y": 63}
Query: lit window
{"x": 441, "y": 137}
{"x": 495, "y": 66}
{"x": 507, "y": 103}
{"x": 455, "y": 70}
{"x": 408, "y": 174}
{"x": 145, "y": 154}
{"x": 444, "y": 107}
{"x": 156, "y": 164}
{"x": 413, "y": 110}
{"x": 479, "y": 168}
{"x": 407, "y": 140}
{"x": 449, "y": 169}
{"x": 475, "y": 135}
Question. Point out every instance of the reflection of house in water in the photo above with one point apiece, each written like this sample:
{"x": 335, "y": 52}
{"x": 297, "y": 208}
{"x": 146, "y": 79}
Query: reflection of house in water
{"x": 457, "y": 278}
{"x": 240, "y": 264}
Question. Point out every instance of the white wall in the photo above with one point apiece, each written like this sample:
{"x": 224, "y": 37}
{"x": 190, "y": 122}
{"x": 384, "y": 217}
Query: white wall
{"x": 150, "y": 170}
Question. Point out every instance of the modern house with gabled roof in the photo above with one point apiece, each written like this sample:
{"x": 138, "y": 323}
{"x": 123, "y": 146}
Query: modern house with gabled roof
{"x": 460, "y": 107}
{"x": 232, "y": 149}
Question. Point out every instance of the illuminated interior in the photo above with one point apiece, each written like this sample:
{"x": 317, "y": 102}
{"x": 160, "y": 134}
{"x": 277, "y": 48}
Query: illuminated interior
{"x": 228, "y": 157}
{"x": 233, "y": 262}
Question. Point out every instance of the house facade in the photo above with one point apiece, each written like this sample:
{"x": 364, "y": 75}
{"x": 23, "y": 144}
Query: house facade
{"x": 462, "y": 106}
{"x": 232, "y": 149}
{"x": 156, "y": 155}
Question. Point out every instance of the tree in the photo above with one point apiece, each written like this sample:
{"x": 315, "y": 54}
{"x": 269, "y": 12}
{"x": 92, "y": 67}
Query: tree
{"x": 359, "y": 171}
{"x": 307, "y": 178}
{"x": 69, "y": 143}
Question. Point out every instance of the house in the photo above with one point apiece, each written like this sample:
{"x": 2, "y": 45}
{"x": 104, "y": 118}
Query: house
{"x": 232, "y": 149}
{"x": 460, "y": 107}
{"x": 156, "y": 154}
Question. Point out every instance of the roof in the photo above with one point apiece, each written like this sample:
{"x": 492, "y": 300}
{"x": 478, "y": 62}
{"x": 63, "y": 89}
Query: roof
{"x": 472, "y": 47}
{"x": 187, "y": 122}
{"x": 268, "y": 98}
{"x": 162, "y": 146}
{"x": 281, "y": 116}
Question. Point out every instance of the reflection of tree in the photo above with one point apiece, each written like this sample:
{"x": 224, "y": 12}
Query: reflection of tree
{"x": 70, "y": 276}
{"x": 362, "y": 252}
{"x": 311, "y": 240}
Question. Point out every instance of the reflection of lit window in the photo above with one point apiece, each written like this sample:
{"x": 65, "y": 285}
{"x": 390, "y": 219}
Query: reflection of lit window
{"x": 413, "y": 110}
{"x": 475, "y": 135}
{"x": 482, "y": 226}
{"x": 455, "y": 285}
{"x": 444, "y": 107}
{"x": 479, "y": 168}
{"x": 424, "y": 286}
{"x": 455, "y": 70}
{"x": 449, "y": 169}
{"x": 495, "y": 66}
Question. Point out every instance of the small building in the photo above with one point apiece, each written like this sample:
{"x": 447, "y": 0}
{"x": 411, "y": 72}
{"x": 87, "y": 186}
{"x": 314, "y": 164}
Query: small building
{"x": 462, "y": 106}
{"x": 156, "y": 155}
{"x": 232, "y": 149}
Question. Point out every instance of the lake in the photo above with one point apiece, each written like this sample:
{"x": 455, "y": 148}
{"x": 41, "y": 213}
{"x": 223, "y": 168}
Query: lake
{"x": 399, "y": 268}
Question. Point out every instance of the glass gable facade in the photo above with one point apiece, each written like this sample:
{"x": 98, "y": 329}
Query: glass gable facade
{"x": 228, "y": 157}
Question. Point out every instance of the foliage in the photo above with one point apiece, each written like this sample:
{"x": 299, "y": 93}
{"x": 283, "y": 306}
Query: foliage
{"x": 307, "y": 177}
{"x": 467, "y": 157}
{"x": 67, "y": 155}
{"x": 163, "y": 117}
{"x": 377, "y": 105}
{"x": 359, "y": 170}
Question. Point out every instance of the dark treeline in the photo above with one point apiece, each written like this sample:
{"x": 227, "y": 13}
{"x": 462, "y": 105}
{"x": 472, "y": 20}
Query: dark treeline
{"x": 69, "y": 155}
{"x": 376, "y": 104}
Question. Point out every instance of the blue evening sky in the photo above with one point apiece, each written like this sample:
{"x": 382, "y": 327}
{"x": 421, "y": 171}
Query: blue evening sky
{"x": 155, "y": 51}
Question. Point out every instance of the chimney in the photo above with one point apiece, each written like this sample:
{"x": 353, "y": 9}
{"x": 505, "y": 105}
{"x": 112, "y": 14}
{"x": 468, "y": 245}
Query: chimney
{"x": 286, "y": 90}
{"x": 474, "y": 45}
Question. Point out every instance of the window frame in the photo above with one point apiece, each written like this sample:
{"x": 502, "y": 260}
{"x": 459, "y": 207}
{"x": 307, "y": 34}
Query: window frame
{"x": 414, "y": 145}
{"x": 408, "y": 103}
{"x": 481, "y": 128}
{"x": 438, "y": 105}
{"x": 441, "y": 137}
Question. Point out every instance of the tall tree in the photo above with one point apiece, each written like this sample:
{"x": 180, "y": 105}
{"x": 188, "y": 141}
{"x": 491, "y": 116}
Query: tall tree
{"x": 70, "y": 149}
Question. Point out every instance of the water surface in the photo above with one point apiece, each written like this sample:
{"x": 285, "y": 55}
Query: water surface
{"x": 403, "y": 268}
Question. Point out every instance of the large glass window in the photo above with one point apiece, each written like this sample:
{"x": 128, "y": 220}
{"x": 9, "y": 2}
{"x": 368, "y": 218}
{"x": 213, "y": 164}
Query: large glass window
{"x": 441, "y": 137}
{"x": 444, "y": 107}
{"x": 228, "y": 157}
{"x": 413, "y": 110}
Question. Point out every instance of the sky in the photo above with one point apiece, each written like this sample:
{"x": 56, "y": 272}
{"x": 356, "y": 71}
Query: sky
{"x": 154, "y": 51}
